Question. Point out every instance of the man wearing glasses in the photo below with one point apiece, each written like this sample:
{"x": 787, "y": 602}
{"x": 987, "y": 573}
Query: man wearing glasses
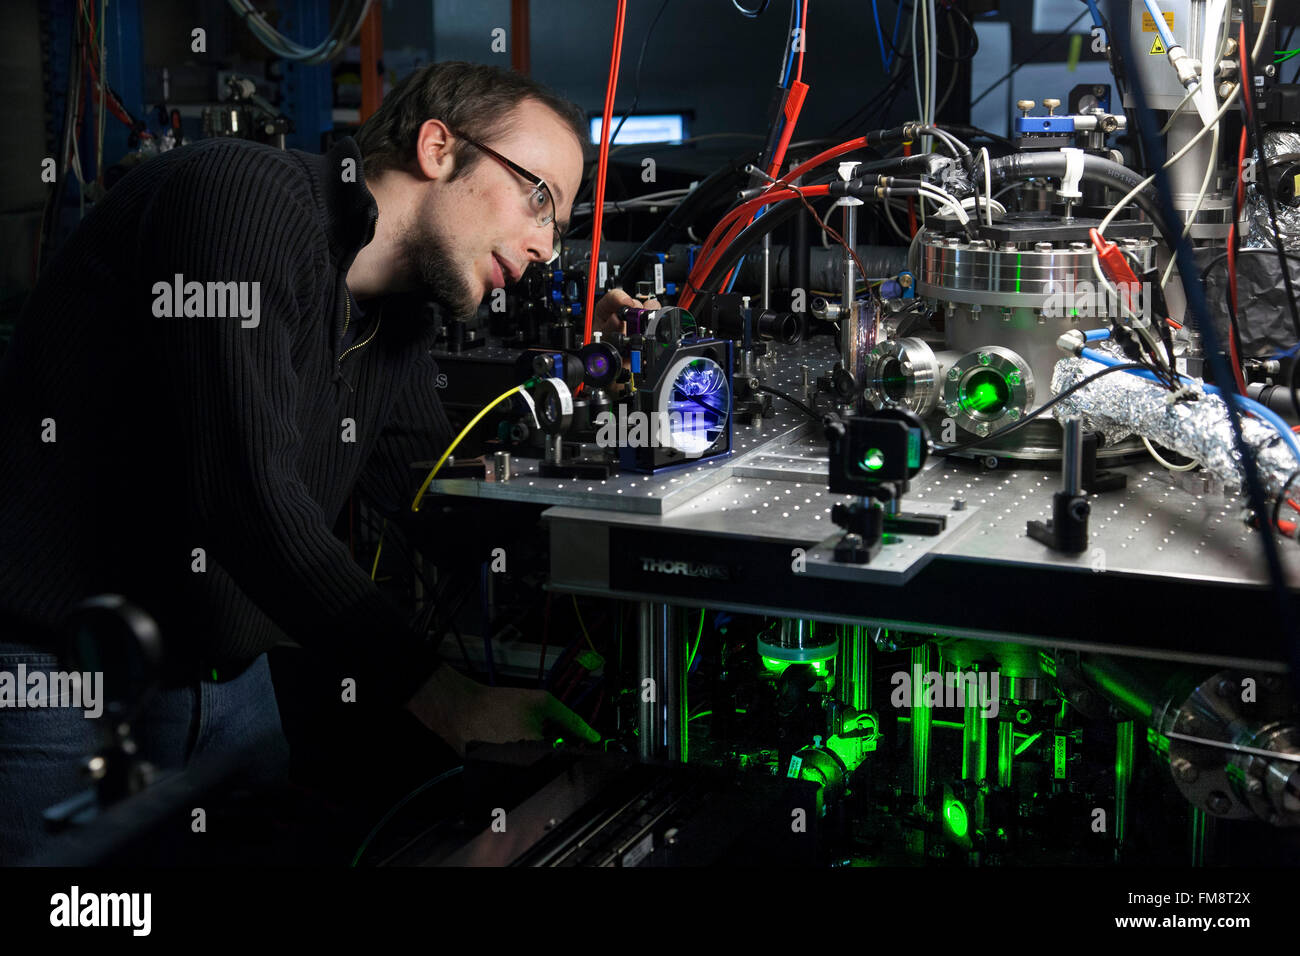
{"x": 193, "y": 452}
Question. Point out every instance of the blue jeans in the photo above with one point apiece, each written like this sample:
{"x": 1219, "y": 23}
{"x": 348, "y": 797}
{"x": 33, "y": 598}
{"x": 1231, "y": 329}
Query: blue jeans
{"x": 43, "y": 750}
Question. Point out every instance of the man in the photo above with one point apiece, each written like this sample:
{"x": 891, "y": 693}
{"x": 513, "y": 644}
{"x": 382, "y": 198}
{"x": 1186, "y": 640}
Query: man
{"x": 207, "y": 369}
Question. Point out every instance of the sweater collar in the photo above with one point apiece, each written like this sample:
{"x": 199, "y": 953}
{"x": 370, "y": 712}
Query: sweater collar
{"x": 349, "y": 208}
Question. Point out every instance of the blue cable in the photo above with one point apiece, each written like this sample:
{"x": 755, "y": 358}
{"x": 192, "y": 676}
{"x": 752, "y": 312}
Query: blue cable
{"x": 1096, "y": 14}
{"x": 789, "y": 50}
{"x": 1249, "y": 404}
{"x": 1166, "y": 35}
{"x": 898, "y": 20}
{"x": 885, "y": 59}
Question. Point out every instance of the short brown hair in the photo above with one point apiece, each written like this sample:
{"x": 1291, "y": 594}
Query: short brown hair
{"x": 470, "y": 98}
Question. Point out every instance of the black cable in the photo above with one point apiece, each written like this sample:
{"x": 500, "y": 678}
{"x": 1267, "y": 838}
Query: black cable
{"x": 716, "y": 183}
{"x": 1030, "y": 416}
{"x": 865, "y": 112}
{"x": 636, "y": 82}
{"x": 815, "y": 416}
{"x": 1198, "y": 309}
{"x": 1029, "y": 59}
{"x": 777, "y": 215}
{"x": 590, "y": 184}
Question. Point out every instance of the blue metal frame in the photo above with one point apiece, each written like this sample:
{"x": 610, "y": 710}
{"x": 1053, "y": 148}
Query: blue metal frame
{"x": 308, "y": 90}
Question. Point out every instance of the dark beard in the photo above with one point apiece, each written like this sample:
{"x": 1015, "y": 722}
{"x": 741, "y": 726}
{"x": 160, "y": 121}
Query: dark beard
{"x": 436, "y": 273}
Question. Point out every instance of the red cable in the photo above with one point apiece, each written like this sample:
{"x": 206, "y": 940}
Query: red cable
{"x": 738, "y": 219}
{"x": 602, "y": 165}
{"x": 824, "y": 156}
{"x": 1232, "y": 268}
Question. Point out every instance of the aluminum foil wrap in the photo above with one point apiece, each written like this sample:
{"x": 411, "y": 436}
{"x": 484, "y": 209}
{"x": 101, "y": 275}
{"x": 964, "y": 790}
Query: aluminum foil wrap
{"x": 1122, "y": 404}
{"x": 1259, "y": 235}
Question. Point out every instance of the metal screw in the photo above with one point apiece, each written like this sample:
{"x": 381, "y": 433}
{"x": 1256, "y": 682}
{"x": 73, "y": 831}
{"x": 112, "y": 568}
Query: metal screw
{"x": 959, "y": 504}
{"x": 1255, "y": 786}
{"x": 952, "y": 408}
{"x": 1051, "y": 103}
{"x": 1225, "y": 89}
{"x": 953, "y": 374}
{"x": 1219, "y": 802}
{"x": 1225, "y": 688}
{"x": 1184, "y": 771}
{"x": 1025, "y": 106}
{"x": 1270, "y": 70}
{"x": 982, "y": 429}
{"x": 985, "y": 358}
{"x": 1013, "y": 413}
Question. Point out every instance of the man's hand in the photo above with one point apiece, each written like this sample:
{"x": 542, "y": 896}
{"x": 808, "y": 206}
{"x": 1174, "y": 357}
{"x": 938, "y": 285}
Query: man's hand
{"x": 459, "y": 710}
{"x": 606, "y": 320}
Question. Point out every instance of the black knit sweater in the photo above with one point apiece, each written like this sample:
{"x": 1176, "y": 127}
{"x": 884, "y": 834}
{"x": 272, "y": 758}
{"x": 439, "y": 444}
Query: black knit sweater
{"x": 185, "y": 433}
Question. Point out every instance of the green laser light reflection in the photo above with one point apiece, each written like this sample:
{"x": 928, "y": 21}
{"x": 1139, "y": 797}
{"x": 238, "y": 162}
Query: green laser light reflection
{"x": 982, "y": 397}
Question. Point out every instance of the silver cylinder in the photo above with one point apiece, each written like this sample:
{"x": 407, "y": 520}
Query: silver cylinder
{"x": 660, "y": 660}
{"x": 1072, "y": 457}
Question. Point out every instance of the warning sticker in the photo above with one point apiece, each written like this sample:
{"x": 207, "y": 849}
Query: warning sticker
{"x": 1157, "y": 47}
{"x": 1149, "y": 22}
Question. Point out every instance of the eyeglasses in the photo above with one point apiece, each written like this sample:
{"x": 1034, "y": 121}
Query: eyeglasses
{"x": 540, "y": 201}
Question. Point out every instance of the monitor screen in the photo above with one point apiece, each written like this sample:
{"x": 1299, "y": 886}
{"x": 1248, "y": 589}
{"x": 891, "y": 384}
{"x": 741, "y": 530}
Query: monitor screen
{"x": 645, "y": 128}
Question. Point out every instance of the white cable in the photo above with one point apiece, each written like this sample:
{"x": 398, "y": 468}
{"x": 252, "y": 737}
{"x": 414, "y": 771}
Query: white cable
{"x": 334, "y": 44}
{"x": 916, "y": 65}
{"x": 1214, "y": 24}
{"x": 932, "y": 55}
{"x": 946, "y": 199}
{"x": 1259, "y": 40}
{"x": 952, "y": 142}
{"x": 1187, "y": 148}
{"x": 1170, "y": 465}
{"x": 1210, "y": 167}
{"x": 988, "y": 186}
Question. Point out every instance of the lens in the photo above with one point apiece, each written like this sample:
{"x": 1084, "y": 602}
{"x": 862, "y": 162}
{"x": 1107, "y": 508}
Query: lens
{"x": 597, "y": 365}
{"x": 985, "y": 394}
{"x": 893, "y": 383}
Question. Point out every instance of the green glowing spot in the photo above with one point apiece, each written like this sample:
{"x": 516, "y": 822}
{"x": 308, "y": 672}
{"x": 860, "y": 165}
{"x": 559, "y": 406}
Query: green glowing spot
{"x": 820, "y": 668}
{"x": 1027, "y": 744}
{"x": 914, "y": 448}
{"x": 773, "y": 666}
{"x": 956, "y": 819}
{"x": 1019, "y": 263}
{"x": 214, "y": 674}
{"x": 982, "y": 397}
{"x": 873, "y": 460}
